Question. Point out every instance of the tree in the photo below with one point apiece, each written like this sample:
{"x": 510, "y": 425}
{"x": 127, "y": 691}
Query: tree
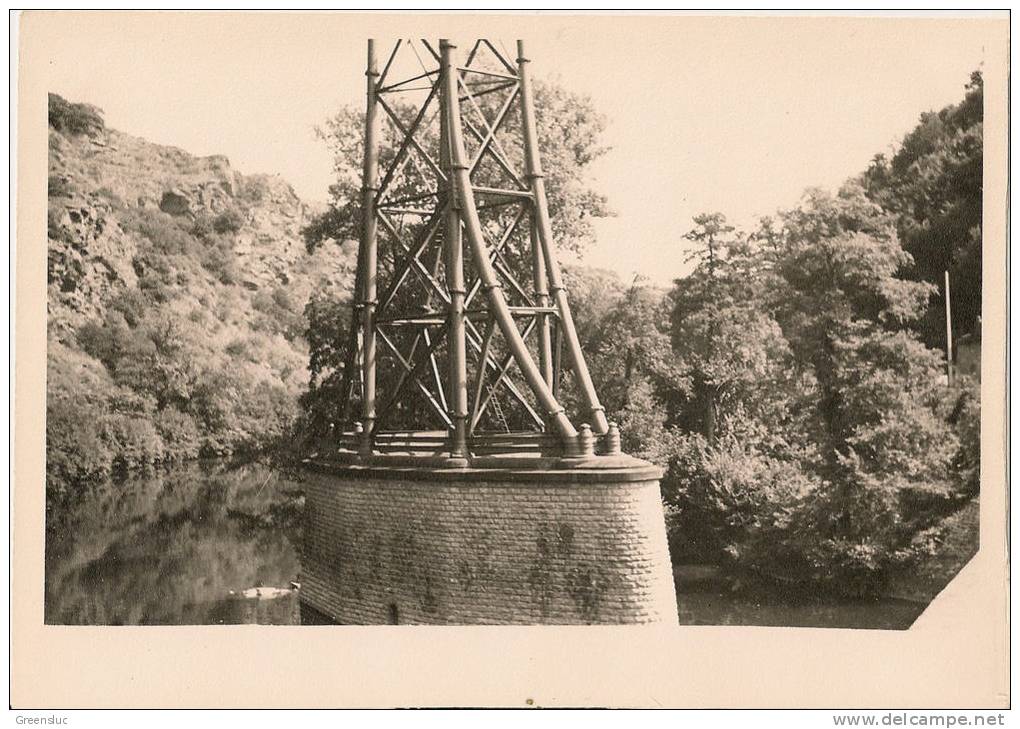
{"x": 569, "y": 133}
{"x": 933, "y": 187}
{"x": 724, "y": 340}
{"x": 835, "y": 471}
{"x": 624, "y": 333}
{"x": 328, "y": 320}
{"x": 838, "y": 270}
{"x": 569, "y": 130}
{"x": 153, "y": 358}
{"x": 735, "y": 430}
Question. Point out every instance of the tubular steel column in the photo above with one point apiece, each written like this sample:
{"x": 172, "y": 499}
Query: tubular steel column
{"x": 542, "y": 296}
{"x": 494, "y": 293}
{"x": 454, "y": 260}
{"x": 369, "y": 190}
{"x": 535, "y": 178}
{"x": 409, "y": 458}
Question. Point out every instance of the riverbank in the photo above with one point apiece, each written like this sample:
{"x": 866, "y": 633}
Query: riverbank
{"x": 185, "y": 544}
{"x": 959, "y": 542}
{"x": 176, "y": 546}
{"x": 707, "y": 596}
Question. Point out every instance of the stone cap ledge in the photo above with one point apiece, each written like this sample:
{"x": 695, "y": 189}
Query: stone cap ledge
{"x": 565, "y": 471}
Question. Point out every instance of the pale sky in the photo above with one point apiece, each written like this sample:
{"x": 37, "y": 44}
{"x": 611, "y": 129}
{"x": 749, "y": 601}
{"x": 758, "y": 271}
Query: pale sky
{"x": 731, "y": 114}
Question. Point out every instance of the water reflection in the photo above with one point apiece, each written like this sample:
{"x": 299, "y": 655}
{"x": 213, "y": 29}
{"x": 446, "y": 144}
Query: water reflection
{"x": 177, "y": 547}
{"x": 708, "y": 607}
{"x": 214, "y": 543}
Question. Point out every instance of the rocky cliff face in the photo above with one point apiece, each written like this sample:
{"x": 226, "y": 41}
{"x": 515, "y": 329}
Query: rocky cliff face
{"x": 89, "y": 257}
{"x": 95, "y": 177}
{"x": 176, "y": 296}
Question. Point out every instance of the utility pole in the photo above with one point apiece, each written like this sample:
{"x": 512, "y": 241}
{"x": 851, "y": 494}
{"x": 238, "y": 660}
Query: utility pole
{"x": 949, "y": 335}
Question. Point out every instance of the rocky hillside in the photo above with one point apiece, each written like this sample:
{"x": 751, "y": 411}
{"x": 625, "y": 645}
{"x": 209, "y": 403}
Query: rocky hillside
{"x": 176, "y": 294}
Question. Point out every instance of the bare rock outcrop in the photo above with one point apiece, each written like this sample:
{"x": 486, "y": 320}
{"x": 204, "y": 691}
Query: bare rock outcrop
{"x": 112, "y": 193}
{"x": 89, "y": 258}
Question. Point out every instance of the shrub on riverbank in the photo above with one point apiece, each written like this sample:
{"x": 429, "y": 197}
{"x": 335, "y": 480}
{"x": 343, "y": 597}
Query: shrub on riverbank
{"x": 175, "y": 292}
{"x": 828, "y": 452}
{"x": 97, "y": 424}
{"x": 808, "y": 435}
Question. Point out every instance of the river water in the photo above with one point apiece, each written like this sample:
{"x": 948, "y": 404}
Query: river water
{"x": 217, "y": 543}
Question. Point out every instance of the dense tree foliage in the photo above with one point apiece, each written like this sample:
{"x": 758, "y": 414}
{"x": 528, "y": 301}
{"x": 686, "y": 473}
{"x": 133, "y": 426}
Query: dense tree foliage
{"x": 788, "y": 383}
{"x": 818, "y": 444}
{"x": 808, "y": 433}
{"x": 726, "y": 340}
{"x": 569, "y": 129}
{"x": 328, "y": 314}
{"x": 189, "y": 362}
{"x": 625, "y": 339}
{"x": 933, "y": 187}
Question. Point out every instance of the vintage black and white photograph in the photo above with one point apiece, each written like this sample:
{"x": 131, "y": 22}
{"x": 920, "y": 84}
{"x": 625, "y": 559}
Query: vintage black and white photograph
{"x": 537, "y": 329}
